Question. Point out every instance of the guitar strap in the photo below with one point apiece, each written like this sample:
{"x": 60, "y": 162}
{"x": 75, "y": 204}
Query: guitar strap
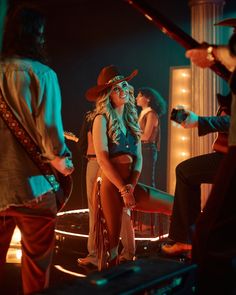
{"x": 27, "y": 143}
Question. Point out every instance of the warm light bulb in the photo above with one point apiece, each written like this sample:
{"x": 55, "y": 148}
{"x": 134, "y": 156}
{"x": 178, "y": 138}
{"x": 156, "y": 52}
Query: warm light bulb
{"x": 184, "y": 74}
{"x": 180, "y": 139}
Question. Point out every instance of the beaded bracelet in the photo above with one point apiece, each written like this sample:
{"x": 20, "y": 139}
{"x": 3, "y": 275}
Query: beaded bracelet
{"x": 126, "y": 189}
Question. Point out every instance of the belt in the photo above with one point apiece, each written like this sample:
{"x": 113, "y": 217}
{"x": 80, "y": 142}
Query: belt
{"x": 90, "y": 156}
{"x": 146, "y": 141}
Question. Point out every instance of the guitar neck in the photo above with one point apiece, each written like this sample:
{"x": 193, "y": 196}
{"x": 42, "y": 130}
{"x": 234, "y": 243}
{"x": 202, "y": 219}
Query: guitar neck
{"x": 70, "y": 136}
{"x": 174, "y": 32}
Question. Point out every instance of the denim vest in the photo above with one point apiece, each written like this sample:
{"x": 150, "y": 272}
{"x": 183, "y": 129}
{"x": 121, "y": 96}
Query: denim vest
{"x": 127, "y": 144}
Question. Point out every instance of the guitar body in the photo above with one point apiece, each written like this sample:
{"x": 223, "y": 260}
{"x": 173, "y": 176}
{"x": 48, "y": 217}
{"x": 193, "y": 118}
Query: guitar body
{"x": 64, "y": 192}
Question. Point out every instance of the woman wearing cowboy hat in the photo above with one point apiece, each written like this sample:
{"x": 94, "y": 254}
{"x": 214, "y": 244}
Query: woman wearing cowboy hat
{"x": 116, "y": 137}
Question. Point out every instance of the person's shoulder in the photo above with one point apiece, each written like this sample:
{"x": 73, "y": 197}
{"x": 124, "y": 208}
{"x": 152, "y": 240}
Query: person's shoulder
{"x": 30, "y": 65}
{"x": 39, "y": 67}
{"x": 152, "y": 113}
{"x": 100, "y": 119}
{"x": 27, "y": 64}
{"x": 100, "y": 116}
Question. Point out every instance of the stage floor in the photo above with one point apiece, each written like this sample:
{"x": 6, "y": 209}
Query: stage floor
{"x": 71, "y": 243}
{"x": 65, "y": 269}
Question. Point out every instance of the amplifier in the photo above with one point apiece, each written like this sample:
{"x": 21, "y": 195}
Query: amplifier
{"x": 144, "y": 276}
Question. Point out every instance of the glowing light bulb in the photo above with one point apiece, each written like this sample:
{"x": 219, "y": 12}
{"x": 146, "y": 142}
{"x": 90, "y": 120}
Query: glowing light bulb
{"x": 184, "y": 74}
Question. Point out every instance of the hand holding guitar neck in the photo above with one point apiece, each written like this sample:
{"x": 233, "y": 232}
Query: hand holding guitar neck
{"x": 63, "y": 165}
{"x": 71, "y": 136}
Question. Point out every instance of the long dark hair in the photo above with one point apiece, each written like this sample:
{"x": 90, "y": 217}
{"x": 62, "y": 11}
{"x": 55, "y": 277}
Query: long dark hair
{"x": 156, "y": 101}
{"x": 232, "y": 44}
{"x": 22, "y": 33}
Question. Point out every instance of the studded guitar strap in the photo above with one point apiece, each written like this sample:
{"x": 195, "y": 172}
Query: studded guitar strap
{"x": 27, "y": 143}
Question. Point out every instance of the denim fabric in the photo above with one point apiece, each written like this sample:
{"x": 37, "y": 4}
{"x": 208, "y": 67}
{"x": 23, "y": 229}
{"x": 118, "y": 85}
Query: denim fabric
{"x": 150, "y": 155}
{"x": 148, "y": 177}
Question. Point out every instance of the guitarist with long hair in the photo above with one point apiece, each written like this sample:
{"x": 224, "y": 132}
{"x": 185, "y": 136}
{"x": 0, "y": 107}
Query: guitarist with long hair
{"x": 30, "y": 106}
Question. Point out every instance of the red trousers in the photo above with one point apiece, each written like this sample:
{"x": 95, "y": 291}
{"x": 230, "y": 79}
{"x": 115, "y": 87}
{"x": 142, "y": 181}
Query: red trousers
{"x": 36, "y": 222}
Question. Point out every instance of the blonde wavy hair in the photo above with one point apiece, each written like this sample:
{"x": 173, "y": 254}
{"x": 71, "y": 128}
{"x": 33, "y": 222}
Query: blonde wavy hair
{"x": 130, "y": 115}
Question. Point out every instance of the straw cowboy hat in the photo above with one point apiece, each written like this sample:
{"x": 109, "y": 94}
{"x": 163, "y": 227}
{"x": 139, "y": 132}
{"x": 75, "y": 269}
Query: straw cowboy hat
{"x": 108, "y": 77}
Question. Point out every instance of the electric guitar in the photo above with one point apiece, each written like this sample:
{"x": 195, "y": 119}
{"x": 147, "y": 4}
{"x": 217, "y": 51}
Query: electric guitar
{"x": 177, "y": 34}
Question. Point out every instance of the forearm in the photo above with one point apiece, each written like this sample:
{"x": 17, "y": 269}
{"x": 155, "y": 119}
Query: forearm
{"x": 111, "y": 172}
{"x": 213, "y": 124}
{"x": 134, "y": 177}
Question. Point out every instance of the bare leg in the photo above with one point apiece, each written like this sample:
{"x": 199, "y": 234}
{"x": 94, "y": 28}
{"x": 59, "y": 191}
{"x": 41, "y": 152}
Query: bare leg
{"x": 112, "y": 205}
{"x": 127, "y": 236}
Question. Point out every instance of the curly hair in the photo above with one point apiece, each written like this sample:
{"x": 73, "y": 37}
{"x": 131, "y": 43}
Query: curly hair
{"x": 157, "y": 102}
{"x": 130, "y": 115}
{"x": 90, "y": 115}
{"x": 22, "y": 33}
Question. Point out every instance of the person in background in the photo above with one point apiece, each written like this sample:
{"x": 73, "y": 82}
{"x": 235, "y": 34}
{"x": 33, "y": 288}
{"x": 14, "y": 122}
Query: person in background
{"x": 28, "y": 200}
{"x": 116, "y": 138}
{"x": 86, "y": 149}
{"x": 153, "y": 107}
